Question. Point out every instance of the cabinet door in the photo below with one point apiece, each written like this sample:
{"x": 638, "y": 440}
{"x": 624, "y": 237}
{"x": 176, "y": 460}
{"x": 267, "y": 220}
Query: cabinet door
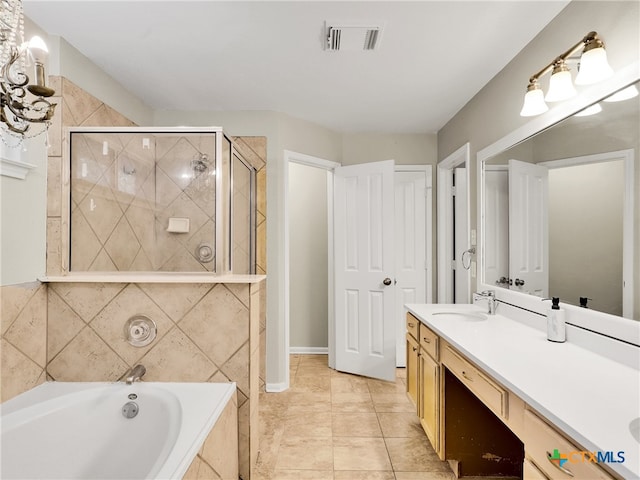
{"x": 429, "y": 397}
{"x": 412, "y": 370}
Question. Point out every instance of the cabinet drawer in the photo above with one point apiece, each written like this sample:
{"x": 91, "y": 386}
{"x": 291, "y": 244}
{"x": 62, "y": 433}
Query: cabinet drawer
{"x": 412, "y": 326}
{"x": 541, "y": 443}
{"x": 429, "y": 341}
{"x": 492, "y": 395}
{"x": 531, "y": 472}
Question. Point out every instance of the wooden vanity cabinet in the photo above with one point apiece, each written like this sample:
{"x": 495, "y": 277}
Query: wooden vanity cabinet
{"x": 432, "y": 363}
{"x": 429, "y": 386}
{"x": 413, "y": 352}
{"x": 540, "y": 440}
{"x": 423, "y": 377}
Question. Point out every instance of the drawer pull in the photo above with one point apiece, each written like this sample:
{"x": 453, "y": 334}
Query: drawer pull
{"x": 467, "y": 377}
{"x": 426, "y": 340}
{"x": 414, "y": 349}
{"x": 557, "y": 465}
{"x": 411, "y": 324}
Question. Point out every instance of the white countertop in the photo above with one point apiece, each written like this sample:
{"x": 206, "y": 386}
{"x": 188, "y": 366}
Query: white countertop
{"x": 589, "y": 397}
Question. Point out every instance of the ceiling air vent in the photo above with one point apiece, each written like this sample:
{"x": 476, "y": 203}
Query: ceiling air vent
{"x": 353, "y": 37}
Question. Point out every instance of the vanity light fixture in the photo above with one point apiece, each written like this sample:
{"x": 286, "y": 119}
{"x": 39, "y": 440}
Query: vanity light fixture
{"x": 593, "y": 67}
{"x": 21, "y": 103}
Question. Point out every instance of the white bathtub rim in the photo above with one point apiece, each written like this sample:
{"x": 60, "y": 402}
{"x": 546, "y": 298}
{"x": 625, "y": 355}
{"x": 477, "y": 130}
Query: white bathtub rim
{"x": 192, "y": 396}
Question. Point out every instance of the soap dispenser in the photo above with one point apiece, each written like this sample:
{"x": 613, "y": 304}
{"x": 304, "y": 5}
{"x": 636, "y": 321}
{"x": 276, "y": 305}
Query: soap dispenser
{"x": 556, "y": 330}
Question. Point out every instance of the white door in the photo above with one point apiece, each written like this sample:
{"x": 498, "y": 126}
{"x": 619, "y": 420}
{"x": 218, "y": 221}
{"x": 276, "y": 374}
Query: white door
{"x": 461, "y": 238}
{"x": 364, "y": 269}
{"x": 529, "y": 228}
{"x": 496, "y": 246}
{"x": 410, "y": 246}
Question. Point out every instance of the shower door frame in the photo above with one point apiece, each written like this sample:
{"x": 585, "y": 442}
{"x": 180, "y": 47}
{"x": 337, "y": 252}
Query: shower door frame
{"x": 252, "y": 208}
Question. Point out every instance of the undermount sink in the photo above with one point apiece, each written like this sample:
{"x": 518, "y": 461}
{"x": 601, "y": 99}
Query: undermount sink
{"x": 634, "y": 428}
{"x": 470, "y": 316}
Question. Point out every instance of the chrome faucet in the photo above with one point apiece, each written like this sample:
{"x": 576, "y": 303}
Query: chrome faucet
{"x": 136, "y": 373}
{"x": 490, "y": 297}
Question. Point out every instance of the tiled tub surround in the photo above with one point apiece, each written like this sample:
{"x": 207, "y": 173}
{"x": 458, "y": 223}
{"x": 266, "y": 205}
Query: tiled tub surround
{"x": 187, "y": 428}
{"x": 23, "y": 323}
{"x": 208, "y": 331}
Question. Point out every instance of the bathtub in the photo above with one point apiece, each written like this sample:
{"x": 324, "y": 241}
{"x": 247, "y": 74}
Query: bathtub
{"x": 61, "y": 430}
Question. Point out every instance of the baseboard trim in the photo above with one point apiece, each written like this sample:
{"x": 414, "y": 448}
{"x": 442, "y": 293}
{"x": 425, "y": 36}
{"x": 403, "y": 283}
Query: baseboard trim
{"x": 276, "y": 387}
{"x": 309, "y": 350}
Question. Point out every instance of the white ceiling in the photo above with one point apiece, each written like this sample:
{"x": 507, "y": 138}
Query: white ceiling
{"x": 211, "y": 55}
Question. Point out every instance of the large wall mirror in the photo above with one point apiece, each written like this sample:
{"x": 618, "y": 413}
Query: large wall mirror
{"x": 560, "y": 209}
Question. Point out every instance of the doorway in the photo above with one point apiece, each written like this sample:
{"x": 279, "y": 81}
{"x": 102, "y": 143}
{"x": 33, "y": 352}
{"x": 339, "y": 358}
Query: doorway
{"x": 456, "y": 242}
{"x": 413, "y": 281}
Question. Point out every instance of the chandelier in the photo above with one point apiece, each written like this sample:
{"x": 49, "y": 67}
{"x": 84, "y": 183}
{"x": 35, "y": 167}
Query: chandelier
{"x": 22, "y": 103}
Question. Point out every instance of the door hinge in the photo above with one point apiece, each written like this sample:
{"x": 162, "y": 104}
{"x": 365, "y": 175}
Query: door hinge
{"x": 453, "y": 191}
{"x": 453, "y": 264}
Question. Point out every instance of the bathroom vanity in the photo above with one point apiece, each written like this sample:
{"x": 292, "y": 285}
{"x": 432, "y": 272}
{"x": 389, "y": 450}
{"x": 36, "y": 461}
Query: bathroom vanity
{"x": 496, "y": 398}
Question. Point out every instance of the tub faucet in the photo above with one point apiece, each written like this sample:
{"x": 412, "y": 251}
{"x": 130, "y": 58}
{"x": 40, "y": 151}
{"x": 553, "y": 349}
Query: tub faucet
{"x": 490, "y": 297}
{"x": 135, "y": 374}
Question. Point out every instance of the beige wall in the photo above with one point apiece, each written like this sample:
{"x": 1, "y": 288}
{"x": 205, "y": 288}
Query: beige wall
{"x": 308, "y": 261}
{"x": 494, "y": 111}
{"x": 405, "y": 149}
{"x": 585, "y": 235}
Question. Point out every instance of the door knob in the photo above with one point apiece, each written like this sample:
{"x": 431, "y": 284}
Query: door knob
{"x": 519, "y": 282}
{"x": 387, "y": 281}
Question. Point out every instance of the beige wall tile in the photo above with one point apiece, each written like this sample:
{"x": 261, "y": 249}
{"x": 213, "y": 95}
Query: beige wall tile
{"x": 28, "y": 333}
{"x": 221, "y": 342}
{"x": 192, "y": 471}
{"x": 81, "y": 104}
{"x": 87, "y": 359}
{"x": 14, "y": 299}
{"x": 110, "y": 322}
{"x": 220, "y": 451}
{"x": 87, "y": 299}
{"x": 18, "y": 372}
{"x": 55, "y": 263}
{"x": 205, "y": 472}
{"x": 54, "y": 185}
{"x": 63, "y": 324}
{"x": 175, "y": 358}
{"x": 175, "y": 299}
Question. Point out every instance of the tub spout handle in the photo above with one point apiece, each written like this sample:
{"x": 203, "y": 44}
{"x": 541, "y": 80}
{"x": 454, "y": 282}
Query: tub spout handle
{"x": 136, "y": 374}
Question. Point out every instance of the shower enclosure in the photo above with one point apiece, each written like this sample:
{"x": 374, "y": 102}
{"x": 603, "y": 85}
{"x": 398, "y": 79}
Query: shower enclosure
{"x": 160, "y": 199}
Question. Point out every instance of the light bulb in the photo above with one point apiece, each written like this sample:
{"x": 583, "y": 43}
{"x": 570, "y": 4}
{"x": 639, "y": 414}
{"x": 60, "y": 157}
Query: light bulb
{"x": 560, "y": 84}
{"x": 594, "y": 67}
{"x": 624, "y": 94}
{"x": 533, "y": 102}
{"x": 592, "y": 110}
{"x": 38, "y": 49}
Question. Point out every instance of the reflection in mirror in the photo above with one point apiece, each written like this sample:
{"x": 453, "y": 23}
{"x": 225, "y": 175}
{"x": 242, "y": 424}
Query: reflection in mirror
{"x": 559, "y": 210}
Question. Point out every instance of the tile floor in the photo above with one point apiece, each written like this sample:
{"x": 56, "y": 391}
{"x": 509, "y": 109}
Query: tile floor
{"x": 336, "y": 426}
